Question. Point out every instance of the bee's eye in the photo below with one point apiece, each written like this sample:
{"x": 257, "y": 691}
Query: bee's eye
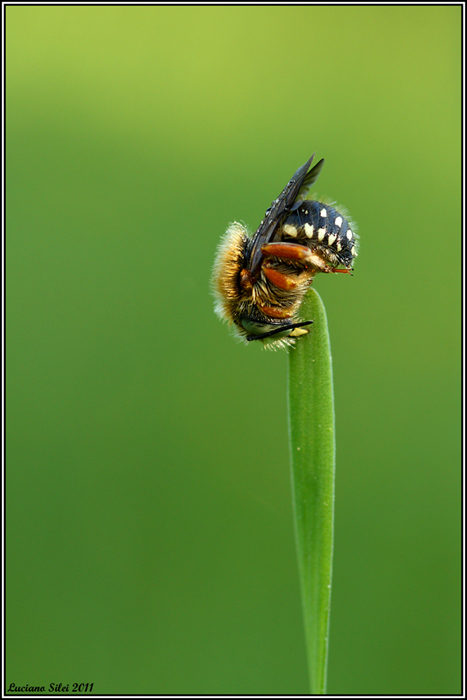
{"x": 272, "y": 332}
{"x": 254, "y": 327}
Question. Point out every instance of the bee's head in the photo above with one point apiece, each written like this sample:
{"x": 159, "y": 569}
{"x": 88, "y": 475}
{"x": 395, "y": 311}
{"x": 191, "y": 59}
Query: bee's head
{"x": 274, "y": 334}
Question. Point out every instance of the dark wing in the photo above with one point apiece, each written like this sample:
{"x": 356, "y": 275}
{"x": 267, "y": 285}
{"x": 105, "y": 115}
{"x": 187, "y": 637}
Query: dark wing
{"x": 309, "y": 179}
{"x": 297, "y": 187}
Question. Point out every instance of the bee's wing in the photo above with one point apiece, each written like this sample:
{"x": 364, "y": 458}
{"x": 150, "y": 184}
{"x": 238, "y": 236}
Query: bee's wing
{"x": 297, "y": 187}
{"x": 309, "y": 180}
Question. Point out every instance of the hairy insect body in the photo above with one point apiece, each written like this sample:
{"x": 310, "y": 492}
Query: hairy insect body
{"x": 264, "y": 299}
{"x": 260, "y": 281}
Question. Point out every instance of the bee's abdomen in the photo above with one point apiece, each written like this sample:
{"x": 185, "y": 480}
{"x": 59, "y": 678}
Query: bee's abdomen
{"x": 321, "y": 228}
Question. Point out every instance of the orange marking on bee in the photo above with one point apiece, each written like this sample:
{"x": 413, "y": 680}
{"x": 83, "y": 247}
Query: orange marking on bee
{"x": 279, "y": 279}
{"x": 246, "y": 279}
{"x": 349, "y": 272}
{"x": 276, "y": 312}
{"x": 288, "y": 251}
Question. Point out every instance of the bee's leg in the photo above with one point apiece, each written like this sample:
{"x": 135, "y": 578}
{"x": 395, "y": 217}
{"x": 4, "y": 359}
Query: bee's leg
{"x": 296, "y": 253}
{"x": 281, "y": 280}
{"x": 287, "y": 251}
{"x": 278, "y": 311}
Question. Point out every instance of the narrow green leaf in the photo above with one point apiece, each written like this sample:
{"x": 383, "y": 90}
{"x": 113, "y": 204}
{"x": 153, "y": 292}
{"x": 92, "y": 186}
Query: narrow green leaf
{"x": 312, "y": 444}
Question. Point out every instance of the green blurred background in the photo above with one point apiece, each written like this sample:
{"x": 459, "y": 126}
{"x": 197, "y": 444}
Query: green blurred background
{"x": 150, "y": 544}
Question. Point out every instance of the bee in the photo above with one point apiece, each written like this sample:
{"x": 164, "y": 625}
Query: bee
{"x": 259, "y": 281}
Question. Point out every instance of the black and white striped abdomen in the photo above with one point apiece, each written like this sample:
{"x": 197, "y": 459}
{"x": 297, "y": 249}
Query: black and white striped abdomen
{"x": 321, "y": 228}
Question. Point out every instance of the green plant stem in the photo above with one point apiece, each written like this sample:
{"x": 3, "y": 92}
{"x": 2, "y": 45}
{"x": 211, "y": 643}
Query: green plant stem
{"x": 312, "y": 444}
